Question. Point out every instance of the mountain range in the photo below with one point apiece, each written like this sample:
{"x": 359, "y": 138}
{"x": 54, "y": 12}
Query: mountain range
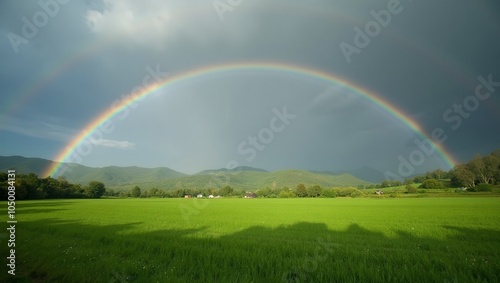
{"x": 125, "y": 178}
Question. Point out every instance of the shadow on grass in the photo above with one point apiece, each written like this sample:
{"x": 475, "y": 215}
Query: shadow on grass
{"x": 28, "y": 207}
{"x": 43, "y": 203}
{"x": 57, "y": 251}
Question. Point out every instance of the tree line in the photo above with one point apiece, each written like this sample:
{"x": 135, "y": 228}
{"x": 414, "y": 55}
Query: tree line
{"x": 227, "y": 191}
{"x": 30, "y": 186}
{"x": 479, "y": 174}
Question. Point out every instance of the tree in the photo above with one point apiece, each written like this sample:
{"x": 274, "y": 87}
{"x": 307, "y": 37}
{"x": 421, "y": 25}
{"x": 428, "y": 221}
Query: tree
{"x": 483, "y": 187}
{"x": 30, "y": 183}
{"x": 463, "y": 177}
{"x": 50, "y": 187}
{"x": 314, "y": 191}
{"x": 432, "y": 184}
{"x": 410, "y": 189}
{"x": 95, "y": 189}
{"x": 265, "y": 192}
{"x": 153, "y": 192}
{"x": 491, "y": 167}
{"x": 226, "y": 191}
{"x": 329, "y": 193}
{"x": 436, "y": 174}
{"x": 478, "y": 168}
{"x": 301, "y": 191}
{"x": 135, "y": 192}
{"x": 418, "y": 179}
{"x": 408, "y": 181}
{"x": 212, "y": 191}
{"x": 286, "y": 193}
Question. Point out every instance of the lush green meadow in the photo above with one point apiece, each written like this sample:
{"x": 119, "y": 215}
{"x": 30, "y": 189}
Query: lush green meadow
{"x": 257, "y": 240}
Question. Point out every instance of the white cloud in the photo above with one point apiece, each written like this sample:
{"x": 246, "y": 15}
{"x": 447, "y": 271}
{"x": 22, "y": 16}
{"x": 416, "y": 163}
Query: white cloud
{"x": 331, "y": 100}
{"x": 38, "y": 129}
{"x": 49, "y": 131}
{"x": 157, "y": 23}
{"x": 114, "y": 144}
{"x": 131, "y": 20}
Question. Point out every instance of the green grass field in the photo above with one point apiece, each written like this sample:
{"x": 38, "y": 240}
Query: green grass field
{"x": 257, "y": 240}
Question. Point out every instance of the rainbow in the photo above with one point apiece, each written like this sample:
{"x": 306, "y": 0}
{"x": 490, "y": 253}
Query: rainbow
{"x": 53, "y": 72}
{"x": 86, "y": 133}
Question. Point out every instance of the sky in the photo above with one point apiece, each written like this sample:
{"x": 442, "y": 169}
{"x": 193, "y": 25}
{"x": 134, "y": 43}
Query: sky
{"x": 437, "y": 62}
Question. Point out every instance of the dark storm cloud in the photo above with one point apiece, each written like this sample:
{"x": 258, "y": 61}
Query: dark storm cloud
{"x": 424, "y": 61}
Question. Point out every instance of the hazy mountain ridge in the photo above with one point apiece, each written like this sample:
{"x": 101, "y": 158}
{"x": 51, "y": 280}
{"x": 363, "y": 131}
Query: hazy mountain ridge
{"x": 236, "y": 169}
{"x": 244, "y": 177}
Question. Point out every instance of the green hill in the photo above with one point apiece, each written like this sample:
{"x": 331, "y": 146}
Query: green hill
{"x": 125, "y": 178}
{"x": 24, "y": 164}
{"x": 252, "y": 180}
{"x": 116, "y": 176}
{"x": 111, "y": 176}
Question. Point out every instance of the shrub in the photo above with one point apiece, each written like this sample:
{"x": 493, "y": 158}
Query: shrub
{"x": 410, "y": 189}
{"x": 286, "y": 194}
{"x": 432, "y": 184}
{"x": 343, "y": 192}
{"x": 483, "y": 188}
{"x": 328, "y": 193}
{"x": 357, "y": 193}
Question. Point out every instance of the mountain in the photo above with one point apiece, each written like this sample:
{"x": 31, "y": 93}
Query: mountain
{"x": 236, "y": 169}
{"x": 24, "y": 164}
{"x": 116, "y": 176}
{"x": 367, "y": 173}
{"x": 110, "y": 176}
{"x": 125, "y": 178}
{"x": 364, "y": 173}
{"x": 252, "y": 180}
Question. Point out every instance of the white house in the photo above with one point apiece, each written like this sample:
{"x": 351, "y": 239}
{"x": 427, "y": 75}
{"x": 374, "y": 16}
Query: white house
{"x": 199, "y": 196}
{"x": 211, "y": 196}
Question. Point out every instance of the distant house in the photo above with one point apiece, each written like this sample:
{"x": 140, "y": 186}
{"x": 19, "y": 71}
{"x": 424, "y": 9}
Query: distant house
{"x": 211, "y": 196}
{"x": 187, "y": 196}
{"x": 379, "y": 192}
{"x": 250, "y": 195}
{"x": 199, "y": 196}
{"x": 217, "y": 196}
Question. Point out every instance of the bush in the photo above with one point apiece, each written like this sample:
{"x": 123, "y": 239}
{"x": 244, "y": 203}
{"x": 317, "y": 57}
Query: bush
{"x": 348, "y": 192}
{"x": 483, "y": 188}
{"x": 432, "y": 184}
{"x": 328, "y": 193}
{"x": 344, "y": 192}
{"x": 286, "y": 194}
{"x": 410, "y": 189}
{"x": 357, "y": 193}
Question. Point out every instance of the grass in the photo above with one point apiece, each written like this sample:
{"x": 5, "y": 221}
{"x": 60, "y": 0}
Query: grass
{"x": 258, "y": 240}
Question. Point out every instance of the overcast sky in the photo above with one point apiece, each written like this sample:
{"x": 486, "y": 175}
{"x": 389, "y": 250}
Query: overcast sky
{"x": 65, "y": 63}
